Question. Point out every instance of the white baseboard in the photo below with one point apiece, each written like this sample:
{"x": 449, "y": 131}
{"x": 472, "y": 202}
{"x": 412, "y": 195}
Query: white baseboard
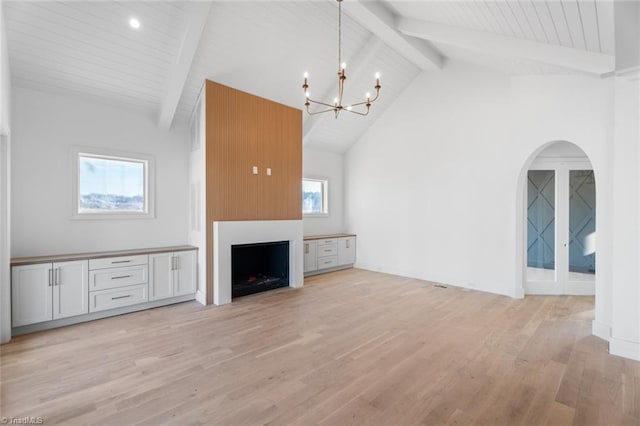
{"x": 201, "y": 298}
{"x": 601, "y": 330}
{"x": 518, "y": 293}
{"x": 624, "y": 348}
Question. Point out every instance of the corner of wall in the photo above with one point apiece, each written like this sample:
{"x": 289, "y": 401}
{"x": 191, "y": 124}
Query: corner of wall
{"x": 5, "y": 187}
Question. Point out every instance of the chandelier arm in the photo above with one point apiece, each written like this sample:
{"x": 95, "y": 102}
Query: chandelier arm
{"x": 321, "y": 103}
{"x": 358, "y": 104}
{"x": 319, "y": 112}
{"x": 358, "y": 112}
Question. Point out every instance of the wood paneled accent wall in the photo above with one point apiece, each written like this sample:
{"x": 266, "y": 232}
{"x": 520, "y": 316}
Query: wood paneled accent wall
{"x": 244, "y": 131}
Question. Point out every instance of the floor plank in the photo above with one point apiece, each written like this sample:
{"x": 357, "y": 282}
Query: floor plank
{"x": 351, "y": 347}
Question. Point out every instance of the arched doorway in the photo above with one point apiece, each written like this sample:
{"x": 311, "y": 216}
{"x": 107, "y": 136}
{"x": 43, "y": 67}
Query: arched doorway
{"x": 559, "y": 222}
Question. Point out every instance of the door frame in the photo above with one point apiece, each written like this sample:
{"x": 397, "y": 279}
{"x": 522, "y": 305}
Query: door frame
{"x": 562, "y": 284}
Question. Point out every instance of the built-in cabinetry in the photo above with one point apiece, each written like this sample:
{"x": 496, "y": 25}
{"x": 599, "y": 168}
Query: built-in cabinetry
{"x": 172, "y": 274}
{"x": 118, "y": 281}
{"x": 324, "y": 253}
{"x": 48, "y": 291}
{"x": 63, "y": 289}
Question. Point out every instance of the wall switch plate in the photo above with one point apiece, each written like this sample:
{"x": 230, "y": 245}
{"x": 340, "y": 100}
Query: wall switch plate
{"x": 255, "y": 170}
{"x": 268, "y": 171}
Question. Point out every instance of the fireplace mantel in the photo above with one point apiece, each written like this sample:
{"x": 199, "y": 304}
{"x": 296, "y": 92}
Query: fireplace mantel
{"x": 229, "y": 233}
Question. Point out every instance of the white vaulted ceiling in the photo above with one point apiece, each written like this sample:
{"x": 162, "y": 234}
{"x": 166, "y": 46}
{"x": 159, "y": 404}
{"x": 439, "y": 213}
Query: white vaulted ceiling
{"x": 580, "y": 24}
{"x": 87, "y": 49}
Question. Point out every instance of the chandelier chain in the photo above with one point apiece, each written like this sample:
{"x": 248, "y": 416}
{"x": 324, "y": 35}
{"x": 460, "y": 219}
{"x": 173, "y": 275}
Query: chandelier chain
{"x": 339, "y": 34}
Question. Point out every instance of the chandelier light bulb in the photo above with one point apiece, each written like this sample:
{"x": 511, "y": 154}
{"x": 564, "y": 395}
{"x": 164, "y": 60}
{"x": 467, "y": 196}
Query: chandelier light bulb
{"x": 368, "y": 96}
{"x": 306, "y": 75}
{"x": 335, "y": 101}
{"x": 343, "y": 65}
{"x": 377, "y": 76}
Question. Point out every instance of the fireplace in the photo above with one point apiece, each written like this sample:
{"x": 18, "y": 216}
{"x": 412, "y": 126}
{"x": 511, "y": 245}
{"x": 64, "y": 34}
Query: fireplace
{"x": 227, "y": 234}
{"x": 259, "y": 267}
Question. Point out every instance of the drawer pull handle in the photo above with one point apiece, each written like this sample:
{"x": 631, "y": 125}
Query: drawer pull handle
{"x": 120, "y": 261}
{"x": 327, "y": 250}
{"x": 120, "y": 297}
{"x": 123, "y": 276}
{"x": 326, "y": 262}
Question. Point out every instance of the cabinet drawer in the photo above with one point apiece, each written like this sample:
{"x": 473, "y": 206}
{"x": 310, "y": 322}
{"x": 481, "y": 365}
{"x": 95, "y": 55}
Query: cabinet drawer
{"x": 329, "y": 241}
{"x": 111, "y": 262}
{"x": 114, "y": 298}
{"x": 103, "y": 279}
{"x": 327, "y": 250}
{"x": 327, "y": 262}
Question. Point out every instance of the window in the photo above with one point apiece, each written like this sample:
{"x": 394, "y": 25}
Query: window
{"x": 314, "y": 197}
{"x": 112, "y": 186}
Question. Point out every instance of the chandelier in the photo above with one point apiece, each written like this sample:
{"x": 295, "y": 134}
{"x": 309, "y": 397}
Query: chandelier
{"x": 360, "y": 108}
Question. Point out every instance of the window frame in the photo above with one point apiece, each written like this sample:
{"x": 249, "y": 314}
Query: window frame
{"x": 108, "y": 154}
{"x": 325, "y": 196}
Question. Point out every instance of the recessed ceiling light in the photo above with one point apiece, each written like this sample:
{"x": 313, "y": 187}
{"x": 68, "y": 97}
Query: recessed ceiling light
{"x": 134, "y": 23}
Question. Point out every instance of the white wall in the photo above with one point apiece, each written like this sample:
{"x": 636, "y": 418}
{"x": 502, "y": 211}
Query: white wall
{"x": 5, "y": 83}
{"x": 197, "y": 193}
{"x": 625, "y": 333}
{"x": 423, "y": 190}
{"x": 45, "y": 128}
{"x": 325, "y": 165}
{"x": 434, "y": 189}
{"x": 5, "y": 186}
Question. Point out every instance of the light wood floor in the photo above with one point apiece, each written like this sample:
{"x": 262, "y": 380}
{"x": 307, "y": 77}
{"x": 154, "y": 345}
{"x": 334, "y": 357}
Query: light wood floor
{"x": 352, "y": 347}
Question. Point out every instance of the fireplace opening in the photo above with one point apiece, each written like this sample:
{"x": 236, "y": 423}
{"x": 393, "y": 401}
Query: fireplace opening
{"x": 259, "y": 267}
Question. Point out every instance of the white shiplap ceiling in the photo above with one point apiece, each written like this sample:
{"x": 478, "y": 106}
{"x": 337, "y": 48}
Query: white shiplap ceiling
{"x": 580, "y": 24}
{"x": 87, "y": 49}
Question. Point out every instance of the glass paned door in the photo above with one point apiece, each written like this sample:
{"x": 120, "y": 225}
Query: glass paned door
{"x": 582, "y": 225}
{"x": 541, "y": 225}
{"x": 561, "y": 226}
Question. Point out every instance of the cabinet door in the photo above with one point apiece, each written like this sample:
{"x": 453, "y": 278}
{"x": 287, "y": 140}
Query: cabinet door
{"x": 70, "y": 288}
{"x": 31, "y": 294}
{"x": 346, "y": 250}
{"x": 310, "y": 256}
{"x": 185, "y": 273}
{"x": 160, "y": 276}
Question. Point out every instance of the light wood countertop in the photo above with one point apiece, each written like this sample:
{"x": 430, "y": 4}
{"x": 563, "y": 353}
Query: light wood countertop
{"x": 95, "y": 255}
{"x": 327, "y": 236}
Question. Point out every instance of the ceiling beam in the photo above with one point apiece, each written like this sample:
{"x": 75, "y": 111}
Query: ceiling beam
{"x": 495, "y": 44}
{"x": 375, "y": 17}
{"x": 179, "y": 70}
{"x": 362, "y": 61}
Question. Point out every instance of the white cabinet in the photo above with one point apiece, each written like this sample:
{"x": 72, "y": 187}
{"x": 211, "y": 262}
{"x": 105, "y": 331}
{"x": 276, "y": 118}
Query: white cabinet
{"x": 329, "y": 253}
{"x": 310, "y": 256}
{"x": 119, "y": 281}
{"x": 185, "y": 272}
{"x": 172, "y": 274}
{"x": 346, "y": 251}
{"x": 48, "y": 291}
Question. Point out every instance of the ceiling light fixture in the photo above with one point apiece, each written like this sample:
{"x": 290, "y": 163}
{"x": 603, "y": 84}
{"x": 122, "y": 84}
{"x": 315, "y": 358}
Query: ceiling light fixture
{"x": 360, "y": 108}
{"x": 134, "y": 23}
